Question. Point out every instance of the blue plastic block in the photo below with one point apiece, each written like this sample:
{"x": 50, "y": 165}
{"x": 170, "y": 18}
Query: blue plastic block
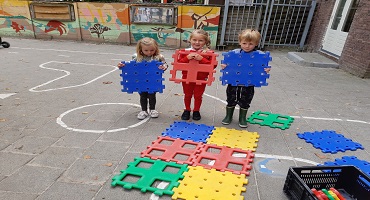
{"x": 245, "y": 68}
{"x": 329, "y": 141}
{"x": 189, "y": 131}
{"x": 142, "y": 77}
{"x": 363, "y": 165}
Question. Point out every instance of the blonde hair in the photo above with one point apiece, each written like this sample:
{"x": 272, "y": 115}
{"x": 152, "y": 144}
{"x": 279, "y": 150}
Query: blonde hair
{"x": 205, "y": 36}
{"x": 147, "y": 42}
{"x": 250, "y": 35}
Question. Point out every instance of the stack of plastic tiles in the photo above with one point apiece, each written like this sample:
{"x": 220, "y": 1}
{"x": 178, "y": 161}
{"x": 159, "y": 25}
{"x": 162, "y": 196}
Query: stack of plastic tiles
{"x": 272, "y": 120}
{"x": 245, "y": 68}
{"x": 329, "y": 141}
{"x": 234, "y": 138}
{"x": 142, "y": 77}
{"x": 200, "y": 183}
{"x": 193, "y": 68}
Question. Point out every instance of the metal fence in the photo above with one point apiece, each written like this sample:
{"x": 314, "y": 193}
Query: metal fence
{"x": 280, "y": 22}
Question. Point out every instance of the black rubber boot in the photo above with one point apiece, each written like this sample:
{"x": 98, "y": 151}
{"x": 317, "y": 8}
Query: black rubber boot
{"x": 229, "y": 115}
{"x": 243, "y": 118}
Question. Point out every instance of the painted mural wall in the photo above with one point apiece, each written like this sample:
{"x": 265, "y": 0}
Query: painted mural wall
{"x": 15, "y": 19}
{"x": 109, "y": 23}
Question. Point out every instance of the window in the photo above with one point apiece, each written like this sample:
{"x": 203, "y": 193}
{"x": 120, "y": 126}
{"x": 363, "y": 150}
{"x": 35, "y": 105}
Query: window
{"x": 241, "y": 2}
{"x": 52, "y": 11}
{"x": 338, "y": 14}
{"x": 352, "y": 11}
{"x": 153, "y": 15}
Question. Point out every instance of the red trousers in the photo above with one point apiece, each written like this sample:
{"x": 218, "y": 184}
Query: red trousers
{"x": 190, "y": 90}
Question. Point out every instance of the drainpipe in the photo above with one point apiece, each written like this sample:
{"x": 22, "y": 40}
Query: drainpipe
{"x": 33, "y": 26}
{"x": 77, "y": 16}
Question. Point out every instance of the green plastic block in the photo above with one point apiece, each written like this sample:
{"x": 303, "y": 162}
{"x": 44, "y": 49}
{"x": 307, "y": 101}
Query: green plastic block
{"x": 156, "y": 172}
{"x": 272, "y": 120}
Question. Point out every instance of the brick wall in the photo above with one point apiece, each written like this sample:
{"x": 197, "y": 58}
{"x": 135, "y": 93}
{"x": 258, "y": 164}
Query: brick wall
{"x": 319, "y": 23}
{"x": 356, "y": 52}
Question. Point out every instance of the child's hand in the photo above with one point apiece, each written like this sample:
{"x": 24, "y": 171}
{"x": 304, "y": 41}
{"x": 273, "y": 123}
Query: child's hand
{"x": 267, "y": 70}
{"x": 198, "y": 57}
{"x": 163, "y": 67}
{"x": 191, "y": 56}
{"x": 223, "y": 66}
{"x": 120, "y": 65}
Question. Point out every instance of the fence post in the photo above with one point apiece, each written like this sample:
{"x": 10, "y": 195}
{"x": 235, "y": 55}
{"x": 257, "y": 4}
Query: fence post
{"x": 307, "y": 26}
{"x": 224, "y": 20}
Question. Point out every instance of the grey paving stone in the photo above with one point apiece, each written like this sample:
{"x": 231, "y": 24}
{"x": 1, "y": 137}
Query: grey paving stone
{"x": 4, "y": 144}
{"x": 10, "y": 162}
{"x": 17, "y": 196}
{"x": 89, "y": 171}
{"x": 77, "y": 139}
{"x": 61, "y": 191}
{"x": 129, "y": 135}
{"x": 103, "y": 150}
{"x": 50, "y": 129}
{"x": 40, "y": 178}
{"x": 31, "y": 145}
{"x": 58, "y": 157}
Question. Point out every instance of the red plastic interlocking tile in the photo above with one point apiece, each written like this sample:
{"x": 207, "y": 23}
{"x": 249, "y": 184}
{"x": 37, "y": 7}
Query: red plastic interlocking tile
{"x": 193, "y": 68}
{"x": 221, "y": 158}
{"x": 172, "y": 150}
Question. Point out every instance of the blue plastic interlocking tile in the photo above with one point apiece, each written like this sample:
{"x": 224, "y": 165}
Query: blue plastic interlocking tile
{"x": 189, "y": 131}
{"x": 245, "y": 68}
{"x": 329, "y": 141}
{"x": 363, "y": 165}
{"x": 142, "y": 77}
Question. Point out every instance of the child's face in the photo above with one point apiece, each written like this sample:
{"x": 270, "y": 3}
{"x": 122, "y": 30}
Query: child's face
{"x": 148, "y": 50}
{"x": 248, "y": 46}
{"x": 197, "y": 41}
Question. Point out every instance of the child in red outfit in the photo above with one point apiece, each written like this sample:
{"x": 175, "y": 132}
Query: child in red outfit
{"x": 199, "y": 40}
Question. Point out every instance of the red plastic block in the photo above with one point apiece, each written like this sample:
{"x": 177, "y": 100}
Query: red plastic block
{"x": 223, "y": 157}
{"x": 193, "y": 68}
{"x": 177, "y": 147}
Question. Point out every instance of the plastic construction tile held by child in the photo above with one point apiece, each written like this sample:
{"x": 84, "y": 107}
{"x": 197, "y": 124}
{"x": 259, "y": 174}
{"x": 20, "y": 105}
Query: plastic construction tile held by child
{"x": 142, "y": 76}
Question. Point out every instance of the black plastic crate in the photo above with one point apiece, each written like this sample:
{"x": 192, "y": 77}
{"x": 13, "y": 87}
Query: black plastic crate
{"x": 346, "y": 179}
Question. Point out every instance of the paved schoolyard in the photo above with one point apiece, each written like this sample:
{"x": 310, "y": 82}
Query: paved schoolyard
{"x": 66, "y": 128}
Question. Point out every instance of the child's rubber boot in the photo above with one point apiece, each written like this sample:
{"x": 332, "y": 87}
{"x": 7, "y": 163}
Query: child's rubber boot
{"x": 229, "y": 115}
{"x": 243, "y": 118}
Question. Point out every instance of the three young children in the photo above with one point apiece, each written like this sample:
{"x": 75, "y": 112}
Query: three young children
{"x": 147, "y": 49}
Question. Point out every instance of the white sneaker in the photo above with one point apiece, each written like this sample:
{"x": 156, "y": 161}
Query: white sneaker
{"x": 154, "y": 114}
{"x": 142, "y": 115}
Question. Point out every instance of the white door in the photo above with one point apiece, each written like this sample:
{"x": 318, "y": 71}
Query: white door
{"x": 336, "y": 36}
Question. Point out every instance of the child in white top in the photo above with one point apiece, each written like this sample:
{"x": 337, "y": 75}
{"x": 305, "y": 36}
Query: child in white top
{"x": 146, "y": 50}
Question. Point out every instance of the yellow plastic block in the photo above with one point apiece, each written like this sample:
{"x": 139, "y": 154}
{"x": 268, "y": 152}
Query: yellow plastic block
{"x": 234, "y": 138}
{"x": 205, "y": 184}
